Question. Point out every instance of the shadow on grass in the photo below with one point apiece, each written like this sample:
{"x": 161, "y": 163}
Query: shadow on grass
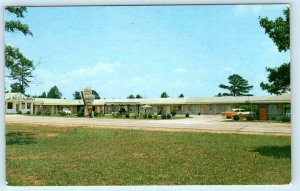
{"x": 274, "y": 151}
{"x": 20, "y": 138}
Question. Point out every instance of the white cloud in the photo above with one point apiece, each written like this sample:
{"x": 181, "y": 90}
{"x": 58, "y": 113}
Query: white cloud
{"x": 229, "y": 70}
{"x": 94, "y": 70}
{"x": 180, "y": 70}
{"x": 240, "y": 10}
{"x": 73, "y": 79}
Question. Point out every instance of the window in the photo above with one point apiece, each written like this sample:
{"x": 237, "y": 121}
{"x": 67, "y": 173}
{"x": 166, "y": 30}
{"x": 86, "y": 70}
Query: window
{"x": 23, "y": 105}
{"x": 28, "y": 106}
{"x": 9, "y": 105}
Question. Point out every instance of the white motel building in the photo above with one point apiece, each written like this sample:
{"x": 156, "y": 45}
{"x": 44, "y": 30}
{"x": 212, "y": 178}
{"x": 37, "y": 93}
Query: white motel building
{"x": 266, "y": 107}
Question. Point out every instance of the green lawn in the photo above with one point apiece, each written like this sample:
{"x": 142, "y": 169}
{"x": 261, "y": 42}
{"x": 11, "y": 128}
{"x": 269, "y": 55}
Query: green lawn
{"x": 39, "y": 155}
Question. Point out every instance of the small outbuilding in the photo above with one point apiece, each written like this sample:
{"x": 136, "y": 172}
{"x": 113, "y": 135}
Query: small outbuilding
{"x": 18, "y": 103}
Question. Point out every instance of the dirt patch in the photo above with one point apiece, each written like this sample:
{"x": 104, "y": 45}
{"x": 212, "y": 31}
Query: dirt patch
{"x": 32, "y": 180}
{"x": 52, "y": 134}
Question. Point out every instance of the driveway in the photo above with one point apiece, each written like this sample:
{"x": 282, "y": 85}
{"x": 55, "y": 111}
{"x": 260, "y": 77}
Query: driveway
{"x": 204, "y": 123}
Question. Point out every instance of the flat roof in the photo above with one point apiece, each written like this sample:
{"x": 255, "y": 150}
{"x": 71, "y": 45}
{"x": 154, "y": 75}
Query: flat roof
{"x": 283, "y": 98}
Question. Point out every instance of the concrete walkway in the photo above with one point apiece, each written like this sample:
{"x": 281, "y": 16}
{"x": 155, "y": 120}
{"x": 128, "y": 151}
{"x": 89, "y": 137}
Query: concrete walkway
{"x": 204, "y": 123}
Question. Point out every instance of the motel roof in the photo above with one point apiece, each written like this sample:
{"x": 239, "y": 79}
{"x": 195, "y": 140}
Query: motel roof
{"x": 17, "y": 96}
{"x": 283, "y": 98}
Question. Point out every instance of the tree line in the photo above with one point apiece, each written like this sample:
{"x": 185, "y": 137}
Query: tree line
{"x": 55, "y": 93}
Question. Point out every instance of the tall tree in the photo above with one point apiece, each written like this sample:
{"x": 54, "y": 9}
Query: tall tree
{"x": 77, "y": 95}
{"x": 95, "y": 94}
{"x": 164, "y": 95}
{"x": 238, "y": 86}
{"x": 44, "y": 95}
{"x": 16, "y": 87}
{"x": 131, "y": 96}
{"x": 138, "y": 96}
{"x": 17, "y": 25}
{"x": 18, "y": 67}
{"x": 181, "y": 96}
{"x": 54, "y": 93}
{"x": 279, "y": 31}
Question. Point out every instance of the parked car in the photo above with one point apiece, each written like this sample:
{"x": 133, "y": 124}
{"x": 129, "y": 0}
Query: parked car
{"x": 238, "y": 111}
{"x": 66, "y": 110}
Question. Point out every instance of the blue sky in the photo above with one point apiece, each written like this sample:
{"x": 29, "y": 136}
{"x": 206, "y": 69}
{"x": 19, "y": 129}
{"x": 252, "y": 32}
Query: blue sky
{"x": 122, "y": 50}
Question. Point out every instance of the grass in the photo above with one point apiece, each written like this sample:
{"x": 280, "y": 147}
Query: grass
{"x": 42, "y": 155}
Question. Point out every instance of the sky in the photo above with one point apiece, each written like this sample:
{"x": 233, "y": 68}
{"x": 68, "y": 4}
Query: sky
{"x": 145, "y": 50}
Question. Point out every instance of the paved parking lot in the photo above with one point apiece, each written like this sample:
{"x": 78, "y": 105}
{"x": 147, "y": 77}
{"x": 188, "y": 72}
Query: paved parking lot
{"x": 205, "y": 123}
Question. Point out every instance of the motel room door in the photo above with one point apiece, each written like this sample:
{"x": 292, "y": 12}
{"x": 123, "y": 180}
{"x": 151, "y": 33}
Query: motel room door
{"x": 17, "y": 107}
{"x": 263, "y": 113}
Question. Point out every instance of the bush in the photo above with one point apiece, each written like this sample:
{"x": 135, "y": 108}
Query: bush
{"x": 236, "y": 117}
{"x": 47, "y": 113}
{"x": 169, "y": 116}
{"x": 173, "y": 113}
{"x": 163, "y": 116}
{"x": 28, "y": 112}
{"x": 285, "y": 118}
{"x": 19, "y": 112}
{"x": 117, "y": 115}
{"x": 62, "y": 113}
{"x": 38, "y": 113}
{"x": 150, "y": 116}
{"x": 250, "y": 118}
{"x": 135, "y": 116}
{"x": 187, "y": 115}
{"x": 80, "y": 113}
{"x": 199, "y": 113}
{"x": 144, "y": 116}
{"x": 127, "y": 115}
{"x": 96, "y": 114}
{"x": 155, "y": 116}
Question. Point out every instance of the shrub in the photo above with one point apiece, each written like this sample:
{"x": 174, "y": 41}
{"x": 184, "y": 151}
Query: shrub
{"x": 187, "y": 115}
{"x": 127, "y": 115}
{"x": 150, "y": 116}
{"x": 236, "y": 117}
{"x": 47, "y": 113}
{"x": 145, "y": 116}
{"x": 135, "y": 116}
{"x": 155, "y": 116}
{"x": 173, "y": 113}
{"x": 250, "y": 118}
{"x": 80, "y": 113}
{"x": 117, "y": 115}
{"x": 28, "y": 112}
{"x": 199, "y": 113}
{"x": 102, "y": 114}
{"x": 169, "y": 116}
{"x": 19, "y": 112}
{"x": 163, "y": 116}
{"x": 285, "y": 118}
{"x": 38, "y": 113}
{"x": 62, "y": 113}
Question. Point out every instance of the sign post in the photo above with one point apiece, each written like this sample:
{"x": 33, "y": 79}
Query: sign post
{"x": 88, "y": 99}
